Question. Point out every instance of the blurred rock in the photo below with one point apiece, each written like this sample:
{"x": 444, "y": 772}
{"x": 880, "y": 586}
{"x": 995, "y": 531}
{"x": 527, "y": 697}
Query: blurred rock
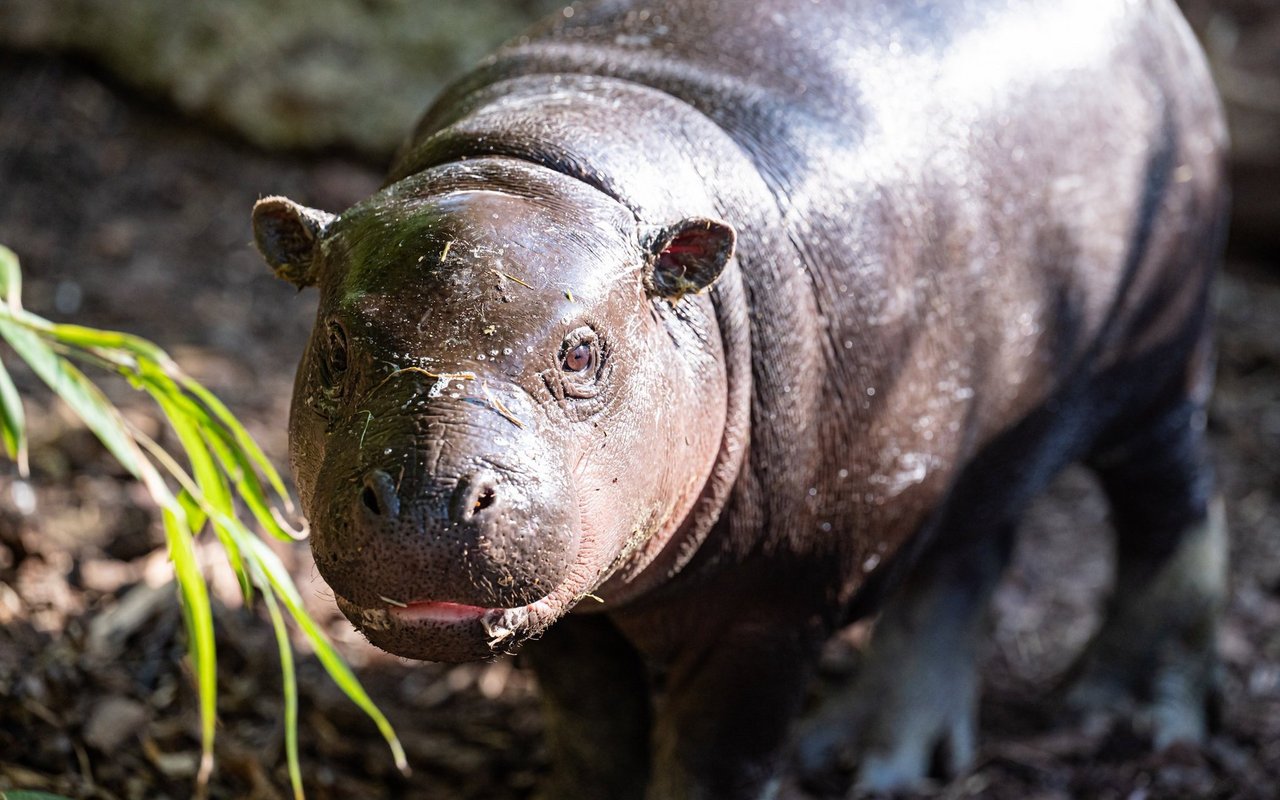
{"x": 113, "y": 721}
{"x": 302, "y": 74}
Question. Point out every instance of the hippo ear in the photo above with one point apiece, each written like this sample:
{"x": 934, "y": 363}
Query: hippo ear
{"x": 286, "y": 234}
{"x": 687, "y": 257}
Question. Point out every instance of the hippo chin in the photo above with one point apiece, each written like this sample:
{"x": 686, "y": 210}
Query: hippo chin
{"x": 745, "y": 320}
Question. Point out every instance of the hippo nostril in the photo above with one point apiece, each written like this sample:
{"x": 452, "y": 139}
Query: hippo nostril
{"x": 378, "y": 495}
{"x": 474, "y": 496}
{"x": 370, "y": 499}
{"x": 484, "y": 500}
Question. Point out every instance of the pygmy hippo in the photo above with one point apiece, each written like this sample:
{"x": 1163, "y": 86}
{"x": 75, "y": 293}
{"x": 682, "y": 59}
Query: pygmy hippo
{"x": 684, "y": 334}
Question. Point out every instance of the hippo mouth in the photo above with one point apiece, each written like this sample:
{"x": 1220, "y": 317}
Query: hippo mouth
{"x": 443, "y": 631}
{"x": 429, "y": 626}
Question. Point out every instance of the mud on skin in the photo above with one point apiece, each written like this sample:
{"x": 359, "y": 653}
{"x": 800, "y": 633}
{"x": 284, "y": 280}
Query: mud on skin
{"x": 749, "y": 320}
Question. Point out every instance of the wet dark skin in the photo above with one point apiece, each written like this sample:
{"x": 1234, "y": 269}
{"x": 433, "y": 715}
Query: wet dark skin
{"x": 683, "y": 335}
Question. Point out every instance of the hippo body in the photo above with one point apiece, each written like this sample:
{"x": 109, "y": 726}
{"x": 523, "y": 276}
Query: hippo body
{"x": 724, "y": 324}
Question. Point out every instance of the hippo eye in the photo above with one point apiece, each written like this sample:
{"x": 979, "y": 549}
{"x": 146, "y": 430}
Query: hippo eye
{"x": 578, "y": 358}
{"x": 337, "y": 361}
{"x": 583, "y": 364}
{"x": 580, "y": 353}
{"x": 331, "y": 365}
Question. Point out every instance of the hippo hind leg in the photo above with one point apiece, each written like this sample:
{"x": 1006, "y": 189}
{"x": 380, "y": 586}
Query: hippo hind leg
{"x": 1154, "y": 657}
{"x": 911, "y": 711}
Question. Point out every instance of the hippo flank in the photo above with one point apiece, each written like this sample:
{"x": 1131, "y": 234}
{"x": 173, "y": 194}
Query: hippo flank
{"x": 683, "y": 334}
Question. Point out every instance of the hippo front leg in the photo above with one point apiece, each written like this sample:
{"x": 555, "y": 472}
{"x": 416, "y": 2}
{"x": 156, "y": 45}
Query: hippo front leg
{"x": 595, "y": 696}
{"x": 912, "y": 708}
{"x": 724, "y": 712}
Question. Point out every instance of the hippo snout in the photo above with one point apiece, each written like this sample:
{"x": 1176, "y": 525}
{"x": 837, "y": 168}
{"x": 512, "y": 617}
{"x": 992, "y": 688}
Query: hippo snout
{"x": 474, "y": 501}
{"x": 475, "y": 536}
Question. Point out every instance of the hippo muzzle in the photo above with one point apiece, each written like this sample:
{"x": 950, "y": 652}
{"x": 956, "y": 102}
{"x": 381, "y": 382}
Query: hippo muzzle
{"x": 442, "y": 527}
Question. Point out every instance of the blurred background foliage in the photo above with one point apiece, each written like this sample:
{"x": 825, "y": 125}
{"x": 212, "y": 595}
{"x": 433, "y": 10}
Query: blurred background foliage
{"x": 284, "y": 74}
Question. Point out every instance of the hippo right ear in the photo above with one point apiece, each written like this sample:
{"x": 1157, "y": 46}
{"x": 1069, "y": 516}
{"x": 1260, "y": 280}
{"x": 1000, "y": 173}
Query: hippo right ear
{"x": 687, "y": 257}
{"x": 286, "y": 234}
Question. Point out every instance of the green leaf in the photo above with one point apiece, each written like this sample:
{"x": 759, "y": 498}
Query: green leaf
{"x": 208, "y": 478}
{"x": 13, "y": 425}
{"x": 221, "y": 455}
{"x": 290, "y": 684}
{"x": 94, "y": 339}
{"x": 242, "y": 438}
{"x": 235, "y": 462}
{"x": 333, "y": 663}
{"x": 10, "y": 278}
{"x": 198, "y": 615}
{"x": 86, "y": 400}
{"x": 196, "y": 517}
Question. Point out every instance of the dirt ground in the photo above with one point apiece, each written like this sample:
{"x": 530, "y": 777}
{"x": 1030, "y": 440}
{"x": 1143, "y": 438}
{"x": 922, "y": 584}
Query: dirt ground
{"x": 127, "y": 217}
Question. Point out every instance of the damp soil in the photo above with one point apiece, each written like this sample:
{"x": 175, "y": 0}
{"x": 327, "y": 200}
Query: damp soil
{"x": 126, "y": 216}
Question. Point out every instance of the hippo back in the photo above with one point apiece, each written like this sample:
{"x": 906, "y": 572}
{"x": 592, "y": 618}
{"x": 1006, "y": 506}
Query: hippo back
{"x": 951, "y": 216}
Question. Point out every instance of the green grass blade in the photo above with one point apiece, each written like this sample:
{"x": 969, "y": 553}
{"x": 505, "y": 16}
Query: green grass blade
{"x": 10, "y": 279}
{"x": 13, "y": 424}
{"x": 221, "y": 454}
{"x": 208, "y": 478}
{"x": 94, "y": 339}
{"x": 290, "y": 685}
{"x": 86, "y": 400}
{"x": 198, "y": 614}
{"x": 263, "y": 558}
{"x": 242, "y": 438}
{"x": 236, "y": 463}
{"x": 196, "y": 517}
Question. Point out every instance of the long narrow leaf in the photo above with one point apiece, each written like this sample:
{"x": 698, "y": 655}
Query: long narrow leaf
{"x": 290, "y": 684}
{"x": 333, "y": 663}
{"x": 86, "y": 400}
{"x": 235, "y": 462}
{"x": 92, "y": 338}
{"x": 10, "y": 279}
{"x": 199, "y": 619}
{"x": 221, "y": 455}
{"x": 258, "y": 557}
{"x": 13, "y": 424}
{"x": 209, "y": 480}
{"x": 242, "y": 437}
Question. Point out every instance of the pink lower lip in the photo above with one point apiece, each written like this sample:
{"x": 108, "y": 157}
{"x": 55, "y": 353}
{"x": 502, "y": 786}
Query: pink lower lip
{"x": 437, "y": 612}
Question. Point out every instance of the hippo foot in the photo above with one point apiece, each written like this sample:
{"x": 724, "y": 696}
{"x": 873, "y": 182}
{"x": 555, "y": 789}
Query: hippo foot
{"x": 911, "y": 713}
{"x": 1154, "y": 660}
{"x": 893, "y": 736}
{"x": 1179, "y": 702}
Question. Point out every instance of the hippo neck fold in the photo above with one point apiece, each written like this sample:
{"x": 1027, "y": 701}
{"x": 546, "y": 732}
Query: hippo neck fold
{"x": 648, "y": 151}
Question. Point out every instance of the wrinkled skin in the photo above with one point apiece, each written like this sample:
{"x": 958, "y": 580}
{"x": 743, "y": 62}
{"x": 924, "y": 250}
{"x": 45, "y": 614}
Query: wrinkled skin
{"x": 746, "y": 320}
{"x": 438, "y": 428}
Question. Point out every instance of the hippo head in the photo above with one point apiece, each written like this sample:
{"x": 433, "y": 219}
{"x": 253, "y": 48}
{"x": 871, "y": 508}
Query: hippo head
{"x": 507, "y": 404}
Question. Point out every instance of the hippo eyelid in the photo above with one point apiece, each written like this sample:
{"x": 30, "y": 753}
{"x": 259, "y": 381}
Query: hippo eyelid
{"x": 582, "y": 383}
{"x": 338, "y": 350}
{"x": 331, "y": 365}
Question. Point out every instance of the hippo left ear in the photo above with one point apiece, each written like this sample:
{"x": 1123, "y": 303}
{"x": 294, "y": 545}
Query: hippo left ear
{"x": 687, "y": 257}
{"x": 286, "y": 234}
